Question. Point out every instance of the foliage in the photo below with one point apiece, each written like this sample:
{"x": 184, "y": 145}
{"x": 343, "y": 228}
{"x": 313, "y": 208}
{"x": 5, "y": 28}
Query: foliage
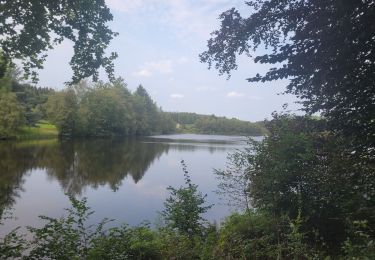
{"x": 211, "y": 124}
{"x": 325, "y": 49}
{"x": 29, "y": 29}
{"x": 12, "y": 244}
{"x": 245, "y": 236}
{"x": 65, "y": 238}
{"x": 362, "y": 244}
{"x": 258, "y": 235}
{"x": 145, "y": 111}
{"x": 185, "y": 206}
{"x": 304, "y": 173}
{"x": 301, "y": 168}
{"x": 233, "y": 182}
{"x": 41, "y": 130}
{"x": 61, "y": 109}
{"x": 11, "y": 115}
{"x": 127, "y": 243}
{"x": 32, "y": 99}
{"x": 322, "y": 169}
{"x": 106, "y": 109}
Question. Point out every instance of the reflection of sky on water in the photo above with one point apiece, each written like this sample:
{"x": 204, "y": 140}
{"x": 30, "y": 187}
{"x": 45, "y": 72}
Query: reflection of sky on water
{"x": 130, "y": 188}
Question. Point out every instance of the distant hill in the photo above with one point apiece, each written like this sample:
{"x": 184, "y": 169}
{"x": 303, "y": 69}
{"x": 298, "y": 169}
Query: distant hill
{"x": 211, "y": 124}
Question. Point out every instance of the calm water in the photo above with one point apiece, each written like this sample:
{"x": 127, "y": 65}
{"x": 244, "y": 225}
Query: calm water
{"x": 122, "y": 179}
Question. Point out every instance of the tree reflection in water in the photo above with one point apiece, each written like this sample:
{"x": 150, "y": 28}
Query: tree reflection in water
{"x": 75, "y": 164}
{"x": 80, "y": 164}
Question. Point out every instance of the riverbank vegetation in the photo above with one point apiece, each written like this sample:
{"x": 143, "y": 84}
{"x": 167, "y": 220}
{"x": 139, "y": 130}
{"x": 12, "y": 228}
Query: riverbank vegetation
{"x": 41, "y": 130}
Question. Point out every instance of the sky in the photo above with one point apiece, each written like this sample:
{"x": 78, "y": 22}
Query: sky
{"x": 159, "y": 44}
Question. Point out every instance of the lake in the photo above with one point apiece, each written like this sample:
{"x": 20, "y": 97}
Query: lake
{"x": 122, "y": 179}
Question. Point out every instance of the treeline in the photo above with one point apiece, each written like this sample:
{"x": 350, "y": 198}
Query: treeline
{"x": 106, "y": 109}
{"x": 211, "y": 124}
{"x": 82, "y": 110}
{"x": 102, "y": 110}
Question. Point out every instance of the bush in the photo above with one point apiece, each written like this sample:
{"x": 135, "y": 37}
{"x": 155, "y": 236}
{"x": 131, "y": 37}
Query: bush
{"x": 185, "y": 206}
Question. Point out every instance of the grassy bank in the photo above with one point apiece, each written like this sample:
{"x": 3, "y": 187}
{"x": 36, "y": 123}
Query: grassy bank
{"x": 41, "y": 130}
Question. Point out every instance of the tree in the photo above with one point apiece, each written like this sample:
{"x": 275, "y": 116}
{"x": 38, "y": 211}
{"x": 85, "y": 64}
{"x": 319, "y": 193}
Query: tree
{"x": 62, "y": 111}
{"x": 146, "y": 112}
{"x": 325, "y": 49}
{"x": 233, "y": 182}
{"x": 106, "y": 110}
{"x": 301, "y": 168}
{"x": 30, "y": 28}
{"x": 11, "y": 115}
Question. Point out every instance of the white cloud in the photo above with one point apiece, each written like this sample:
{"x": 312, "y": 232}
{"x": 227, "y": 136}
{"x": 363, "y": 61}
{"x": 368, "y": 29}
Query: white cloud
{"x": 234, "y": 94}
{"x": 143, "y": 73}
{"x": 152, "y": 67}
{"x": 176, "y": 96}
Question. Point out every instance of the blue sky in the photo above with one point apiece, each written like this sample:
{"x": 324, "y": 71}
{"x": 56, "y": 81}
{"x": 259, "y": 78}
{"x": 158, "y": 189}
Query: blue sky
{"x": 158, "y": 45}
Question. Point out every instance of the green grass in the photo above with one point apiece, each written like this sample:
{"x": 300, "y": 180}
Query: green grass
{"x": 42, "y": 130}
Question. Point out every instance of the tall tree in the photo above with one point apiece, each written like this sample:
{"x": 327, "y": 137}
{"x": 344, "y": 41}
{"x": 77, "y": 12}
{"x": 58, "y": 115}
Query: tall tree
{"x": 325, "y": 48}
{"x": 62, "y": 111}
{"x": 146, "y": 112}
{"x": 30, "y": 28}
{"x": 106, "y": 110}
{"x": 11, "y": 114}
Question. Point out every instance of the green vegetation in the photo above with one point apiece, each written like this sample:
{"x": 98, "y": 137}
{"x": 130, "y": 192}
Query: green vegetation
{"x": 106, "y": 109}
{"x": 211, "y": 124}
{"x": 82, "y": 110}
{"x": 42, "y": 130}
{"x": 99, "y": 110}
{"x": 11, "y": 115}
{"x": 30, "y": 29}
{"x": 185, "y": 206}
{"x": 22, "y": 109}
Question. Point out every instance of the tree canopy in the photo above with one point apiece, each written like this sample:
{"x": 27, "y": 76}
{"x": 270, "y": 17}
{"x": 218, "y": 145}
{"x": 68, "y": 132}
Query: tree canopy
{"x": 325, "y": 49}
{"x": 30, "y": 28}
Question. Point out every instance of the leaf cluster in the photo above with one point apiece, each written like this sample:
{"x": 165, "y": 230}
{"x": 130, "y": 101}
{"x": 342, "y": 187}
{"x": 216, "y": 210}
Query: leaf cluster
{"x": 30, "y": 28}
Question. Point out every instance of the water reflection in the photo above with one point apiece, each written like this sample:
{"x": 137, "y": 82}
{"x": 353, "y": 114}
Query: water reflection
{"x": 77, "y": 165}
